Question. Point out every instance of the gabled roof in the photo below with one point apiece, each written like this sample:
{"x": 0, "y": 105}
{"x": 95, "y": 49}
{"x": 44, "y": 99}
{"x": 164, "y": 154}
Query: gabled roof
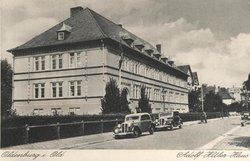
{"x": 224, "y": 93}
{"x": 195, "y": 78}
{"x": 185, "y": 69}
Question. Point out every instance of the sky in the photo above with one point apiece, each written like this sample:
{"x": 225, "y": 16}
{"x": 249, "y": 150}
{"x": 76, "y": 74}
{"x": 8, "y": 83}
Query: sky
{"x": 212, "y": 36}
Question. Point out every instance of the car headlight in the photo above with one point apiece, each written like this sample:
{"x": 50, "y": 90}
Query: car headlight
{"x": 116, "y": 131}
{"x": 119, "y": 125}
{"x": 156, "y": 120}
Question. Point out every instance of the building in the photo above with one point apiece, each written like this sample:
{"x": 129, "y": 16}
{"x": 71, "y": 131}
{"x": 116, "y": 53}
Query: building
{"x": 65, "y": 69}
{"x": 225, "y": 96}
{"x": 235, "y": 93}
{"x": 192, "y": 81}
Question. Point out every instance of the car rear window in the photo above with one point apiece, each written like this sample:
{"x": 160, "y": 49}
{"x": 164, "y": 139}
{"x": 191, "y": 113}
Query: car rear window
{"x": 145, "y": 117}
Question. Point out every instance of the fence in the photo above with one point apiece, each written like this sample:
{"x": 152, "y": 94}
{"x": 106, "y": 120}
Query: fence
{"x": 11, "y": 136}
{"x": 36, "y": 133}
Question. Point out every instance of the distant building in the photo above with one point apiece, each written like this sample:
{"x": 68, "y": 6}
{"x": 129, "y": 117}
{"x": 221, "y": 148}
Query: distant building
{"x": 221, "y": 91}
{"x": 235, "y": 93}
{"x": 65, "y": 69}
{"x": 226, "y": 98}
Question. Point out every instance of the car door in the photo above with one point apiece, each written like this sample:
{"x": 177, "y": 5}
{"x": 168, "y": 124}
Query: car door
{"x": 145, "y": 123}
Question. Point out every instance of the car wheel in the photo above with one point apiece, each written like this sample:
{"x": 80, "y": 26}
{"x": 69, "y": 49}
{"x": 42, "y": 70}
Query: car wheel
{"x": 136, "y": 132}
{"x": 171, "y": 127}
{"x": 242, "y": 124}
{"x": 151, "y": 130}
{"x": 117, "y": 137}
{"x": 180, "y": 126}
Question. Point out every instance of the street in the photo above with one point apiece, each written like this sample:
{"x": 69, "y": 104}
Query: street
{"x": 189, "y": 137}
{"x": 218, "y": 133}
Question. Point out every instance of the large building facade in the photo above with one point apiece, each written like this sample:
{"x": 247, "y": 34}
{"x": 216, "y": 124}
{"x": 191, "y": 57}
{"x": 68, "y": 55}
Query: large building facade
{"x": 65, "y": 69}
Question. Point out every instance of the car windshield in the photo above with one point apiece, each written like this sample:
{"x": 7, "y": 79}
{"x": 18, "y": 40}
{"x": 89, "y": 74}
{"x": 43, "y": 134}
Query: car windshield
{"x": 166, "y": 114}
{"x": 132, "y": 118}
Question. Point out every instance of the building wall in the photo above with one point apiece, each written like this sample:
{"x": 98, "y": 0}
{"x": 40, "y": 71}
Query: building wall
{"x": 132, "y": 78}
{"x": 90, "y": 72}
{"x": 95, "y": 68}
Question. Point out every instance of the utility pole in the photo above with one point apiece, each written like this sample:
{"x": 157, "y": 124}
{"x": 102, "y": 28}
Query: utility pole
{"x": 202, "y": 104}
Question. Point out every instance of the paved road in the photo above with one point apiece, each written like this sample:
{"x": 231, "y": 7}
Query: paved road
{"x": 190, "y": 137}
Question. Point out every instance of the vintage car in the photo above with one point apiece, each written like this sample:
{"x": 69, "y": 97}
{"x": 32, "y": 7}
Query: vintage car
{"x": 245, "y": 117}
{"x": 134, "y": 125}
{"x": 168, "y": 120}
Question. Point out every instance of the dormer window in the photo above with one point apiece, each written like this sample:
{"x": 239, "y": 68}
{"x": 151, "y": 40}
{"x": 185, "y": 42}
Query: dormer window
{"x": 128, "y": 40}
{"x": 63, "y": 32}
{"x": 140, "y": 46}
{"x": 60, "y": 35}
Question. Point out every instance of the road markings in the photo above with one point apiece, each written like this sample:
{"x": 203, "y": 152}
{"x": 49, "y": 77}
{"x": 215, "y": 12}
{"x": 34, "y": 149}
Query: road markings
{"x": 211, "y": 144}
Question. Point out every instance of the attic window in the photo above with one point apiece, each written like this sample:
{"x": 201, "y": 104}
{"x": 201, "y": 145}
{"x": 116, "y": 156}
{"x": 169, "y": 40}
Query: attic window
{"x": 63, "y": 32}
{"x": 60, "y": 35}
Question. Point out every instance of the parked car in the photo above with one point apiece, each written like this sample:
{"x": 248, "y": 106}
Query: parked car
{"x": 135, "y": 125}
{"x": 245, "y": 117}
{"x": 168, "y": 120}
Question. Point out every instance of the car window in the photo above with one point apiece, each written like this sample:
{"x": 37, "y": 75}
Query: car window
{"x": 145, "y": 117}
{"x": 166, "y": 114}
{"x": 132, "y": 118}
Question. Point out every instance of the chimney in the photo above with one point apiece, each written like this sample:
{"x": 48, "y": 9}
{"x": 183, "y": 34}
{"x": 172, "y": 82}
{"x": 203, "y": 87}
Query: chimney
{"x": 75, "y": 10}
{"x": 158, "y": 47}
{"x": 120, "y": 25}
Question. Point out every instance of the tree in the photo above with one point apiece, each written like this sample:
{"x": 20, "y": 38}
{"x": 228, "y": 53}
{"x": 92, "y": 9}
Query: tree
{"x": 247, "y": 83}
{"x": 6, "y": 88}
{"x": 213, "y": 102}
{"x": 124, "y": 102}
{"x": 246, "y": 87}
{"x": 143, "y": 104}
{"x": 194, "y": 101}
{"x": 111, "y": 103}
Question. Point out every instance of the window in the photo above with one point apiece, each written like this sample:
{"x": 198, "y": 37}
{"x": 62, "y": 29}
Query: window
{"x": 74, "y": 60}
{"x": 37, "y": 111}
{"x": 147, "y": 91}
{"x": 39, "y": 90}
{"x": 164, "y": 95}
{"x": 136, "y": 91}
{"x": 39, "y": 63}
{"x": 57, "y": 89}
{"x": 56, "y": 61}
{"x": 56, "y": 111}
{"x": 156, "y": 94}
{"x": 145, "y": 117}
{"x": 74, "y": 110}
{"x": 60, "y": 35}
{"x": 75, "y": 88}
{"x": 171, "y": 96}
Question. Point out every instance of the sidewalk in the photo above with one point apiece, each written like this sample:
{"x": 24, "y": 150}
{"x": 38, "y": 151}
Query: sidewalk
{"x": 81, "y": 140}
{"x": 237, "y": 140}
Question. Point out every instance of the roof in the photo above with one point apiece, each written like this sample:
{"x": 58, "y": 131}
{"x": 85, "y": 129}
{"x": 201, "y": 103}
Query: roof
{"x": 224, "y": 93}
{"x": 185, "y": 68}
{"x": 137, "y": 114}
{"x": 65, "y": 28}
{"x": 195, "y": 78}
{"x": 85, "y": 25}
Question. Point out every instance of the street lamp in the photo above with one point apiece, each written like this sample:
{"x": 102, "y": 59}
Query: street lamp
{"x": 202, "y": 104}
